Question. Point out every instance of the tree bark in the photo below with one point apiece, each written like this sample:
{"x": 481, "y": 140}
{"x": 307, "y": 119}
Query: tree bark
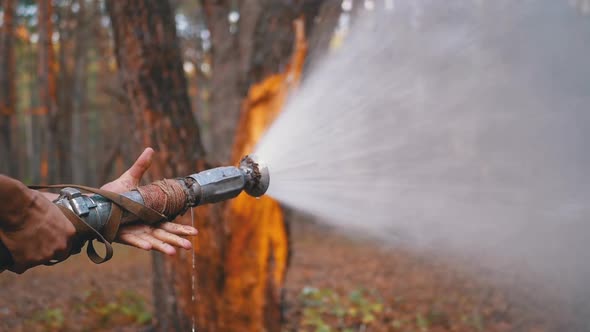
{"x": 78, "y": 145}
{"x": 150, "y": 69}
{"x": 240, "y": 268}
{"x": 224, "y": 103}
{"x": 258, "y": 253}
{"x": 47, "y": 113}
{"x": 260, "y": 47}
{"x": 70, "y": 54}
{"x": 8, "y": 164}
{"x": 241, "y": 252}
{"x": 150, "y": 66}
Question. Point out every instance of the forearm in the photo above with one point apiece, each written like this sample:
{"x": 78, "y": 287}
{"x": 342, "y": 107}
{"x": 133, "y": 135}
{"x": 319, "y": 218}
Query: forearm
{"x": 50, "y": 196}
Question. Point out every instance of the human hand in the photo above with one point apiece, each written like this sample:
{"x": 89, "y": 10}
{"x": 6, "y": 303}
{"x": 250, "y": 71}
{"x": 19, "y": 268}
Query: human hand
{"x": 32, "y": 228}
{"x": 163, "y": 237}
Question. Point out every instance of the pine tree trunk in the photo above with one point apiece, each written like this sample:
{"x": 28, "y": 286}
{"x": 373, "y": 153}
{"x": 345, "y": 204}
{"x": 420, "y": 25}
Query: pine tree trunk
{"x": 241, "y": 252}
{"x": 150, "y": 67}
{"x": 47, "y": 112}
{"x": 225, "y": 98}
{"x": 8, "y": 162}
{"x": 240, "y": 279}
{"x": 78, "y": 145}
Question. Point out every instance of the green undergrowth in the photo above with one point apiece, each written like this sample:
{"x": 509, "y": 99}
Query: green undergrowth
{"x": 324, "y": 310}
{"x": 99, "y": 313}
{"x": 363, "y": 310}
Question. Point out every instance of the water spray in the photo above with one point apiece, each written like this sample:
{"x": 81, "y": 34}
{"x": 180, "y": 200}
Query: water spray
{"x": 453, "y": 128}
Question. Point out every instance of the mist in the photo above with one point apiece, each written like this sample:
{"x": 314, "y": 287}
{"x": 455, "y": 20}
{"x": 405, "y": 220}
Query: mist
{"x": 452, "y": 127}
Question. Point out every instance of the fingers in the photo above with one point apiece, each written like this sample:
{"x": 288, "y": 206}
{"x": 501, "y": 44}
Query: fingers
{"x": 130, "y": 179}
{"x": 171, "y": 239}
{"x": 158, "y": 244}
{"x": 134, "y": 240}
{"x": 141, "y": 165}
{"x": 178, "y": 229}
{"x": 163, "y": 238}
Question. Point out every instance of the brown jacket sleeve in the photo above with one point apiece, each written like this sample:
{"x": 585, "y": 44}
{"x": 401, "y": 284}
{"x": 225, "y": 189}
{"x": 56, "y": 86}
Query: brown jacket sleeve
{"x": 32, "y": 228}
{"x": 15, "y": 198}
{"x": 19, "y": 206}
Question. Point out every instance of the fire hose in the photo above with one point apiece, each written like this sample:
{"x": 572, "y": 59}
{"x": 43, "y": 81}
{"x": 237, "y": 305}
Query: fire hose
{"x": 98, "y": 216}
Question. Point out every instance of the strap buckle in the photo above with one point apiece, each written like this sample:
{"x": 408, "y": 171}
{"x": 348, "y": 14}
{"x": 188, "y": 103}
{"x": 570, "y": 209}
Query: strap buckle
{"x": 79, "y": 203}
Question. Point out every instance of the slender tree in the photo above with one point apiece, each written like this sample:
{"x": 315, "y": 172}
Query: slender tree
{"x": 69, "y": 52}
{"x": 225, "y": 88}
{"x": 47, "y": 80}
{"x": 8, "y": 163}
{"x": 150, "y": 66}
{"x": 83, "y": 36}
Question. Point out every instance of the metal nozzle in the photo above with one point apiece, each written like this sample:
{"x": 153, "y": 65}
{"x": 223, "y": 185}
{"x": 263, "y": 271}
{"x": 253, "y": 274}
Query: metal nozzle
{"x": 222, "y": 183}
{"x": 257, "y": 176}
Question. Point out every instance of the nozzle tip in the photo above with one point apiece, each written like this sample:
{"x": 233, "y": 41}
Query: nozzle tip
{"x": 257, "y": 175}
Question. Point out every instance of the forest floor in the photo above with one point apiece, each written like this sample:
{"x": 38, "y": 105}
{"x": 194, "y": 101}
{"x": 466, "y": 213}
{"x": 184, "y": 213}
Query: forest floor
{"x": 334, "y": 284}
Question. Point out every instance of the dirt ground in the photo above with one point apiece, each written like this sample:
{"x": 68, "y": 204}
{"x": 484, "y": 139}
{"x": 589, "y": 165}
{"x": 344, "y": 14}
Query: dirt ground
{"x": 334, "y": 284}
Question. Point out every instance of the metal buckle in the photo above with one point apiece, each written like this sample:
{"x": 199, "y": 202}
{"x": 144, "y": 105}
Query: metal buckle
{"x": 76, "y": 200}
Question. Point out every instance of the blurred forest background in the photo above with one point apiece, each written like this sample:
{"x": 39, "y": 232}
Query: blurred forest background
{"x": 86, "y": 84}
{"x": 65, "y": 113}
{"x": 66, "y": 116}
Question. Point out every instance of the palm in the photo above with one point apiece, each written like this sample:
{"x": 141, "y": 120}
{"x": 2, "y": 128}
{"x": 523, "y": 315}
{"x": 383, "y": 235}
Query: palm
{"x": 120, "y": 185}
{"x": 163, "y": 237}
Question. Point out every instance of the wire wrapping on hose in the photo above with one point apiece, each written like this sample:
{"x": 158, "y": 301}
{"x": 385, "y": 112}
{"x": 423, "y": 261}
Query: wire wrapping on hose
{"x": 165, "y": 196}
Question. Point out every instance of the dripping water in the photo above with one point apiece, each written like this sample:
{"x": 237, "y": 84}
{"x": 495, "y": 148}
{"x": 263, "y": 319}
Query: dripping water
{"x": 193, "y": 275}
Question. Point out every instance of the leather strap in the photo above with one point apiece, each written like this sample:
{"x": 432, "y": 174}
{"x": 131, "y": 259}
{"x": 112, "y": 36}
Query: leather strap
{"x": 142, "y": 212}
{"x": 111, "y": 228}
{"x": 83, "y": 228}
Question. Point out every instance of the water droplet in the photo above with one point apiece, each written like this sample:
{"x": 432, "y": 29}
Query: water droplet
{"x": 193, "y": 276}
{"x": 347, "y": 5}
{"x": 233, "y": 17}
{"x": 205, "y": 34}
{"x": 369, "y": 5}
{"x": 389, "y": 4}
